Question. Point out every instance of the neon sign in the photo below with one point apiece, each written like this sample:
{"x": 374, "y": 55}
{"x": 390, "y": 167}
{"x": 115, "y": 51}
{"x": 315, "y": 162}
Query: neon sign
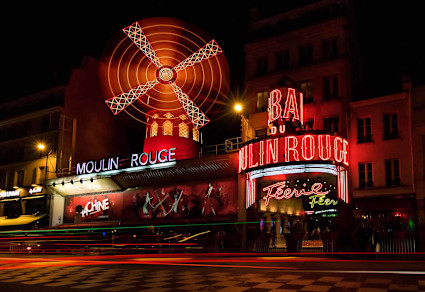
{"x": 284, "y": 108}
{"x": 321, "y": 200}
{"x": 35, "y": 190}
{"x": 280, "y": 191}
{"x": 8, "y": 194}
{"x": 292, "y": 149}
{"x": 115, "y": 163}
{"x": 95, "y": 206}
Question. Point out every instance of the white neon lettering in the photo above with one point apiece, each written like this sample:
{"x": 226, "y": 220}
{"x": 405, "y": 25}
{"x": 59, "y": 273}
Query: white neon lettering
{"x": 160, "y": 158}
{"x": 89, "y": 170}
{"x": 133, "y": 162}
{"x": 81, "y": 168}
{"x": 95, "y": 206}
{"x": 113, "y": 164}
{"x": 172, "y": 154}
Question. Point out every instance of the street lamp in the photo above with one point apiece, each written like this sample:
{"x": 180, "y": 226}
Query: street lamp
{"x": 41, "y": 147}
{"x": 238, "y": 107}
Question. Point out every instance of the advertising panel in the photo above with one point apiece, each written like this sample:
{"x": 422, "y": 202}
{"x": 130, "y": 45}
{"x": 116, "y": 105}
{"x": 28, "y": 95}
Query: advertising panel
{"x": 203, "y": 199}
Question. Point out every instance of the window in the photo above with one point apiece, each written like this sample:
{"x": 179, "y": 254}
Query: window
{"x": 262, "y": 66}
{"x": 392, "y": 172}
{"x": 305, "y": 55}
{"x": 365, "y": 175}
{"x": 329, "y": 49}
{"x": 262, "y": 101}
{"x": 195, "y": 135}
{"x": 308, "y": 125}
{"x": 330, "y": 87}
{"x": 306, "y": 87}
{"x": 154, "y": 129}
{"x": 167, "y": 128}
{"x": 364, "y": 133}
{"x": 282, "y": 61}
{"x": 261, "y": 132}
{"x": 183, "y": 130}
{"x": 3, "y": 180}
{"x": 19, "y": 178}
{"x": 330, "y": 125}
{"x": 390, "y": 126}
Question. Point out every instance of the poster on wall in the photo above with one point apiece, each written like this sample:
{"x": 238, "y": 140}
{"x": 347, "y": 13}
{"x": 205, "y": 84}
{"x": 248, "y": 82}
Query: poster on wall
{"x": 94, "y": 207}
{"x": 204, "y": 199}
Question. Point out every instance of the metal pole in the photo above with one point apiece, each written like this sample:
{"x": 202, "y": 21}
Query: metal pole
{"x": 47, "y": 159}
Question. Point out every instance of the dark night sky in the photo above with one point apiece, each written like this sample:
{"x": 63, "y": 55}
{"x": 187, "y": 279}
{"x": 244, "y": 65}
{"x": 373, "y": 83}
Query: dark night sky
{"x": 41, "y": 41}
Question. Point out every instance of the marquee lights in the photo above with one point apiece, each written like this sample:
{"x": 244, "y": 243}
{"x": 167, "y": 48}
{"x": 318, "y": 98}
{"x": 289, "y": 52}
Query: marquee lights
{"x": 294, "y": 148}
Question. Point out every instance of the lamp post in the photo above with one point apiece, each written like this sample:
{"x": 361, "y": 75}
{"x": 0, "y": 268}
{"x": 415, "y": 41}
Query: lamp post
{"x": 42, "y": 147}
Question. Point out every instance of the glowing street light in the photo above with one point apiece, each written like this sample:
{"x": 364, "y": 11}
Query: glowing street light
{"x": 238, "y": 107}
{"x": 42, "y": 147}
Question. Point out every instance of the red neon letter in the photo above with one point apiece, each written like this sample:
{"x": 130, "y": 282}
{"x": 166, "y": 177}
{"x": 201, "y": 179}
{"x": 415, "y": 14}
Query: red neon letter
{"x": 324, "y": 149}
{"x": 310, "y": 150}
{"x": 243, "y": 159}
{"x": 271, "y": 150}
{"x": 291, "y": 105}
{"x": 261, "y": 153}
{"x": 250, "y": 159}
{"x": 345, "y": 151}
{"x": 275, "y": 110}
{"x": 293, "y": 148}
{"x": 338, "y": 153}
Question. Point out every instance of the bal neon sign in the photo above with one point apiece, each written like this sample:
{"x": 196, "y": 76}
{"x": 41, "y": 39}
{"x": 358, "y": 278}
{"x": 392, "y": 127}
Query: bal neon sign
{"x": 284, "y": 104}
{"x": 136, "y": 160}
{"x": 292, "y": 149}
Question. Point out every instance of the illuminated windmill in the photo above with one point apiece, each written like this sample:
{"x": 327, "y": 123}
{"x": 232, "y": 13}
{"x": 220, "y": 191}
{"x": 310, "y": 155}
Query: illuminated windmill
{"x": 172, "y": 72}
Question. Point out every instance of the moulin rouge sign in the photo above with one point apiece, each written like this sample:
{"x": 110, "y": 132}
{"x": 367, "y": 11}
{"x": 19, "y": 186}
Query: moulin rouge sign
{"x": 283, "y": 105}
{"x": 136, "y": 160}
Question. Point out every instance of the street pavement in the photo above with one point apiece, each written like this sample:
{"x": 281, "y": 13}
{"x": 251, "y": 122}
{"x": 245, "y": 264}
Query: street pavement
{"x": 194, "y": 273}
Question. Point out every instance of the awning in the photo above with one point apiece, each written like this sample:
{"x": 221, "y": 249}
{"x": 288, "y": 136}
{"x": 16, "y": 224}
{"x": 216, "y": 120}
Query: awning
{"x": 21, "y": 220}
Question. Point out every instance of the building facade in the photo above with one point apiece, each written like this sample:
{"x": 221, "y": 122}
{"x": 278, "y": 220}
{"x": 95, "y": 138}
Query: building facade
{"x": 382, "y": 165}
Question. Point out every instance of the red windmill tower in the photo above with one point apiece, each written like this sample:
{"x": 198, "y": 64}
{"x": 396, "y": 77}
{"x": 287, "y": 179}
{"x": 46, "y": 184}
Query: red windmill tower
{"x": 172, "y": 72}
